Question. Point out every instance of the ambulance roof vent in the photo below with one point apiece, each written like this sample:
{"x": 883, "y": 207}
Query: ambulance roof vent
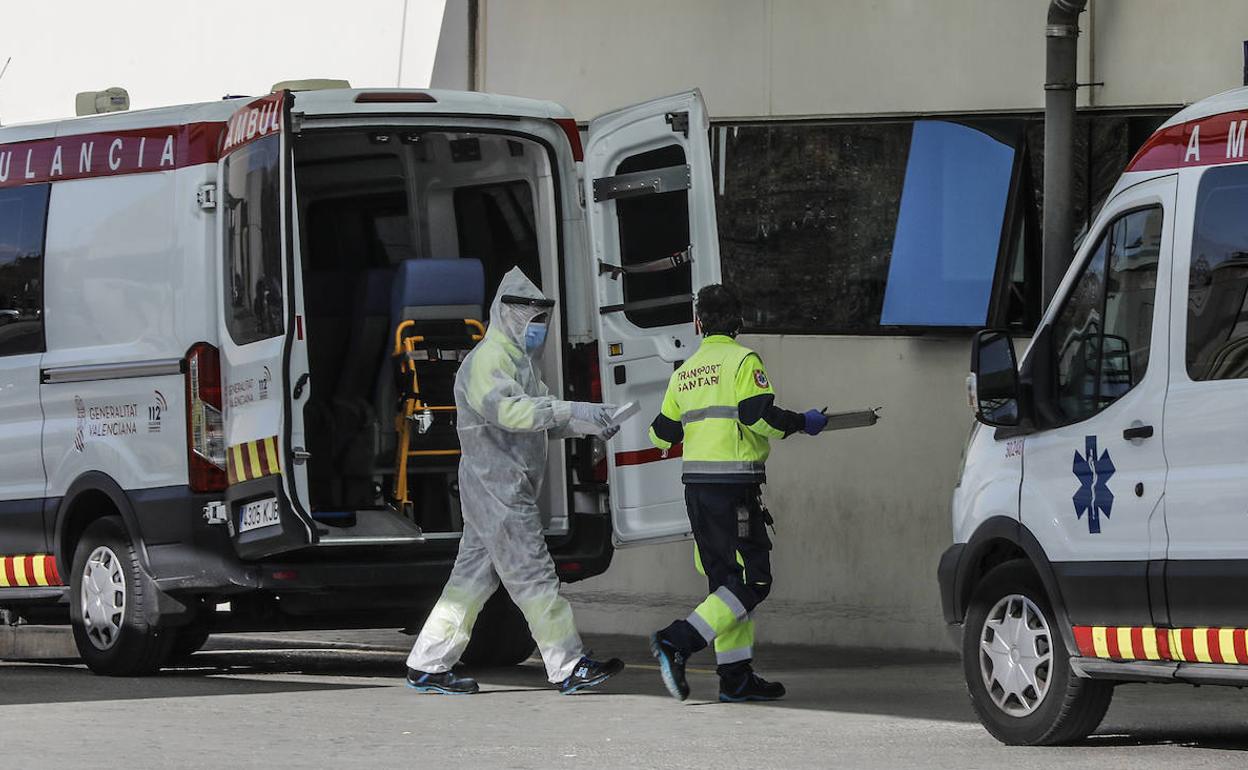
{"x": 309, "y": 84}
{"x": 98, "y": 102}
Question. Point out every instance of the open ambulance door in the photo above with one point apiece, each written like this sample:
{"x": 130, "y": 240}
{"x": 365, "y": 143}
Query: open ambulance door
{"x": 263, "y": 355}
{"x": 651, "y": 211}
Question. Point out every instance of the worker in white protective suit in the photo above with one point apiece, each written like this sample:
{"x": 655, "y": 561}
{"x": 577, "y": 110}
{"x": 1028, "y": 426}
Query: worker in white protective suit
{"x": 505, "y": 417}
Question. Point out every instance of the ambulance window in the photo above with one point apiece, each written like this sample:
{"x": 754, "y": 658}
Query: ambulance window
{"x": 1102, "y": 336}
{"x": 653, "y": 227}
{"x": 253, "y": 252}
{"x": 1077, "y": 340}
{"x": 1217, "y": 294}
{"x": 23, "y": 214}
{"x": 496, "y": 224}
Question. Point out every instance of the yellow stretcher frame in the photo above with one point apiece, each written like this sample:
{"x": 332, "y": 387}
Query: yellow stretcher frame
{"x": 413, "y": 404}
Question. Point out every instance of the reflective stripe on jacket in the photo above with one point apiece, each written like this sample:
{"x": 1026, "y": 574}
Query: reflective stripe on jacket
{"x": 721, "y": 404}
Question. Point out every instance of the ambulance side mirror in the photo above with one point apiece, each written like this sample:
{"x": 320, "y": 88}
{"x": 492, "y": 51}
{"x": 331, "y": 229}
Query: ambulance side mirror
{"x": 993, "y": 388}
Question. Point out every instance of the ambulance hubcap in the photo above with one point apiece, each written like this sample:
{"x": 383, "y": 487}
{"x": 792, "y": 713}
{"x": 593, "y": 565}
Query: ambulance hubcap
{"x": 103, "y": 597}
{"x": 1016, "y": 655}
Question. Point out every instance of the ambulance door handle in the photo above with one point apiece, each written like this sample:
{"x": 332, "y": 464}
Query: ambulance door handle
{"x": 300, "y": 384}
{"x": 1138, "y": 432}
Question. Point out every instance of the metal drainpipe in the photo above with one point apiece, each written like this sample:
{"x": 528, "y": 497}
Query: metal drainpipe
{"x": 1061, "y": 58}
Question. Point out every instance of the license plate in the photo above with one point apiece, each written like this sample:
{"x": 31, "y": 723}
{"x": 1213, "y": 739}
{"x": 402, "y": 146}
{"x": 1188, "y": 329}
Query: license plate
{"x": 258, "y": 514}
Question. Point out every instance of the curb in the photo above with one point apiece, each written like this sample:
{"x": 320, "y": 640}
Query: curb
{"x": 37, "y": 643}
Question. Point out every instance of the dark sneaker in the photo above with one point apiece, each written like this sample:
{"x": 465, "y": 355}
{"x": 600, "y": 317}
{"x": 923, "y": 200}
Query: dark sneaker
{"x": 446, "y": 683}
{"x": 590, "y": 673}
{"x": 671, "y": 666}
{"x": 753, "y": 687}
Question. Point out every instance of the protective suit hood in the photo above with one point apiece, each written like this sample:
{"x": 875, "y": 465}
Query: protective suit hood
{"x": 511, "y": 319}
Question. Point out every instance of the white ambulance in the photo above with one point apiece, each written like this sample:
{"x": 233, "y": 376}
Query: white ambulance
{"x": 1101, "y": 518}
{"x": 200, "y": 312}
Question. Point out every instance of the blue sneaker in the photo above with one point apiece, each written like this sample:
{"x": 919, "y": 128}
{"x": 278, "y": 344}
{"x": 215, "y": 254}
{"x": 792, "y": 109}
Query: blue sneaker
{"x": 590, "y": 673}
{"x": 671, "y": 666}
{"x": 445, "y": 683}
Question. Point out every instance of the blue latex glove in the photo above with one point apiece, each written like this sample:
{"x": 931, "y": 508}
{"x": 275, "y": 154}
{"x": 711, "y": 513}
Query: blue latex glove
{"x": 815, "y": 421}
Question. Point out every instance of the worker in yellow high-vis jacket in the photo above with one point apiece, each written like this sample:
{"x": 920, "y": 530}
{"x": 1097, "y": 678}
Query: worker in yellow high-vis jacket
{"x": 721, "y": 405}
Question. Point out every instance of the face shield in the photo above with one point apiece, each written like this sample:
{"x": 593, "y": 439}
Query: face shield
{"x": 536, "y": 310}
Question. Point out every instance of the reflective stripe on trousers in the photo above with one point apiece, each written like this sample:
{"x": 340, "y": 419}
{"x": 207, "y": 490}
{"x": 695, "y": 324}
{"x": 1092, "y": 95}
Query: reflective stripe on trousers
{"x": 717, "y": 614}
{"x": 723, "y": 466}
{"x": 736, "y": 643}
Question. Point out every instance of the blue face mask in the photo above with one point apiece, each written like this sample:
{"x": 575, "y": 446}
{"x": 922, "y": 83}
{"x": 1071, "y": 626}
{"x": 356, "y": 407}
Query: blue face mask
{"x": 534, "y": 336}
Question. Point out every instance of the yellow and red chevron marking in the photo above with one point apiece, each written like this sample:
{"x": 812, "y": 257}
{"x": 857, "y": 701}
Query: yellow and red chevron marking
{"x": 253, "y": 460}
{"x": 27, "y": 571}
{"x": 1189, "y": 645}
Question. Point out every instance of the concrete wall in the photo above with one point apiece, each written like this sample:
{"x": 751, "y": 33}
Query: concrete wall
{"x": 451, "y": 65}
{"x": 861, "y": 515}
{"x": 759, "y": 58}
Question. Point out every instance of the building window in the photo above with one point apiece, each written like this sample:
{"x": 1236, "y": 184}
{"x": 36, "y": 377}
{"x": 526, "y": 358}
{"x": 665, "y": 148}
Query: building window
{"x": 886, "y": 226}
{"x": 806, "y": 216}
{"x": 253, "y": 243}
{"x": 948, "y": 235}
{"x": 23, "y": 216}
{"x": 1217, "y": 294}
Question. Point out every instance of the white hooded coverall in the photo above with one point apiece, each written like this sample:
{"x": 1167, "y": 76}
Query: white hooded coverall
{"x": 505, "y": 418}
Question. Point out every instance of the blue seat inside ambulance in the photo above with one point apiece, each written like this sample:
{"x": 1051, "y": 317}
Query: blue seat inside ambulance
{"x": 437, "y": 289}
{"x": 352, "y": 335}
{"x": 437, "y": 294}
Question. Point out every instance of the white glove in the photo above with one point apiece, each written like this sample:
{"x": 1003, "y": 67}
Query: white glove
{"x": 591, "y": 419}
{"x": 607, "y": 434}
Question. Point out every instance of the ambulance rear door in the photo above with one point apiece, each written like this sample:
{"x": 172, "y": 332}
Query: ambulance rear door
{"x": 650, "y": 204}
{"x": 264, "y": 366}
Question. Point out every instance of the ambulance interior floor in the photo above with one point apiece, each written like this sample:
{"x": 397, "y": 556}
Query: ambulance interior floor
{"x": 317, "y": 699}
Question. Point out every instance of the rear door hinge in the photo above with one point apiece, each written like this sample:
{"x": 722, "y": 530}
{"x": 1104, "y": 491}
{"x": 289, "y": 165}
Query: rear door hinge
{"x": 679, "y": 121}
{"x": 206, "y": 196}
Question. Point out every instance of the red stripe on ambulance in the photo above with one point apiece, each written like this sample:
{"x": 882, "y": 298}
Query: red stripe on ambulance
{"x": 1202, "y": 142}
{"x": 28, "y": 571}
{"x": 135, "y": 151}
{"x": 258, "y": 119}
{"x": 643, "y": 456}
{"x": 1180, "y": 645}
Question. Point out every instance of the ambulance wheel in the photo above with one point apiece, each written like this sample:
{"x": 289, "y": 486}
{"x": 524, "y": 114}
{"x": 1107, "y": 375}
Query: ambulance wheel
{"x": 501, "y": 635}
{"x": 188, "y": 640}
{"x": 108, "y": 605}
{"x": 1017, "y": 668}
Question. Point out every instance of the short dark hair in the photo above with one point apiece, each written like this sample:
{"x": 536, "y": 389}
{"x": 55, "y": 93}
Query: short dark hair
{"x": 719, "y": 310}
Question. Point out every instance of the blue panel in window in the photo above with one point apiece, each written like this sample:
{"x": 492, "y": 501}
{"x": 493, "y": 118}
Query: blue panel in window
{"x": 949, "y": 227}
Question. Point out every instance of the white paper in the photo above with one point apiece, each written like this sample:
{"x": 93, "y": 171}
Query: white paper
{"x": 624, "y": 412}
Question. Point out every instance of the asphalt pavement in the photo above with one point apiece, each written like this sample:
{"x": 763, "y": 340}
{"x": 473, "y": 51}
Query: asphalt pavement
{"x": 336, "y": 699}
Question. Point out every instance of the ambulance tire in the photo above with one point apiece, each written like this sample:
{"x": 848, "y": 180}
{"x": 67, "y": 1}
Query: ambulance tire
{"x": 500, "y": 636}
{"x": 131, "y": 647}
{"x": 188, "y": 640}
{"x": 1070, "y": 709}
